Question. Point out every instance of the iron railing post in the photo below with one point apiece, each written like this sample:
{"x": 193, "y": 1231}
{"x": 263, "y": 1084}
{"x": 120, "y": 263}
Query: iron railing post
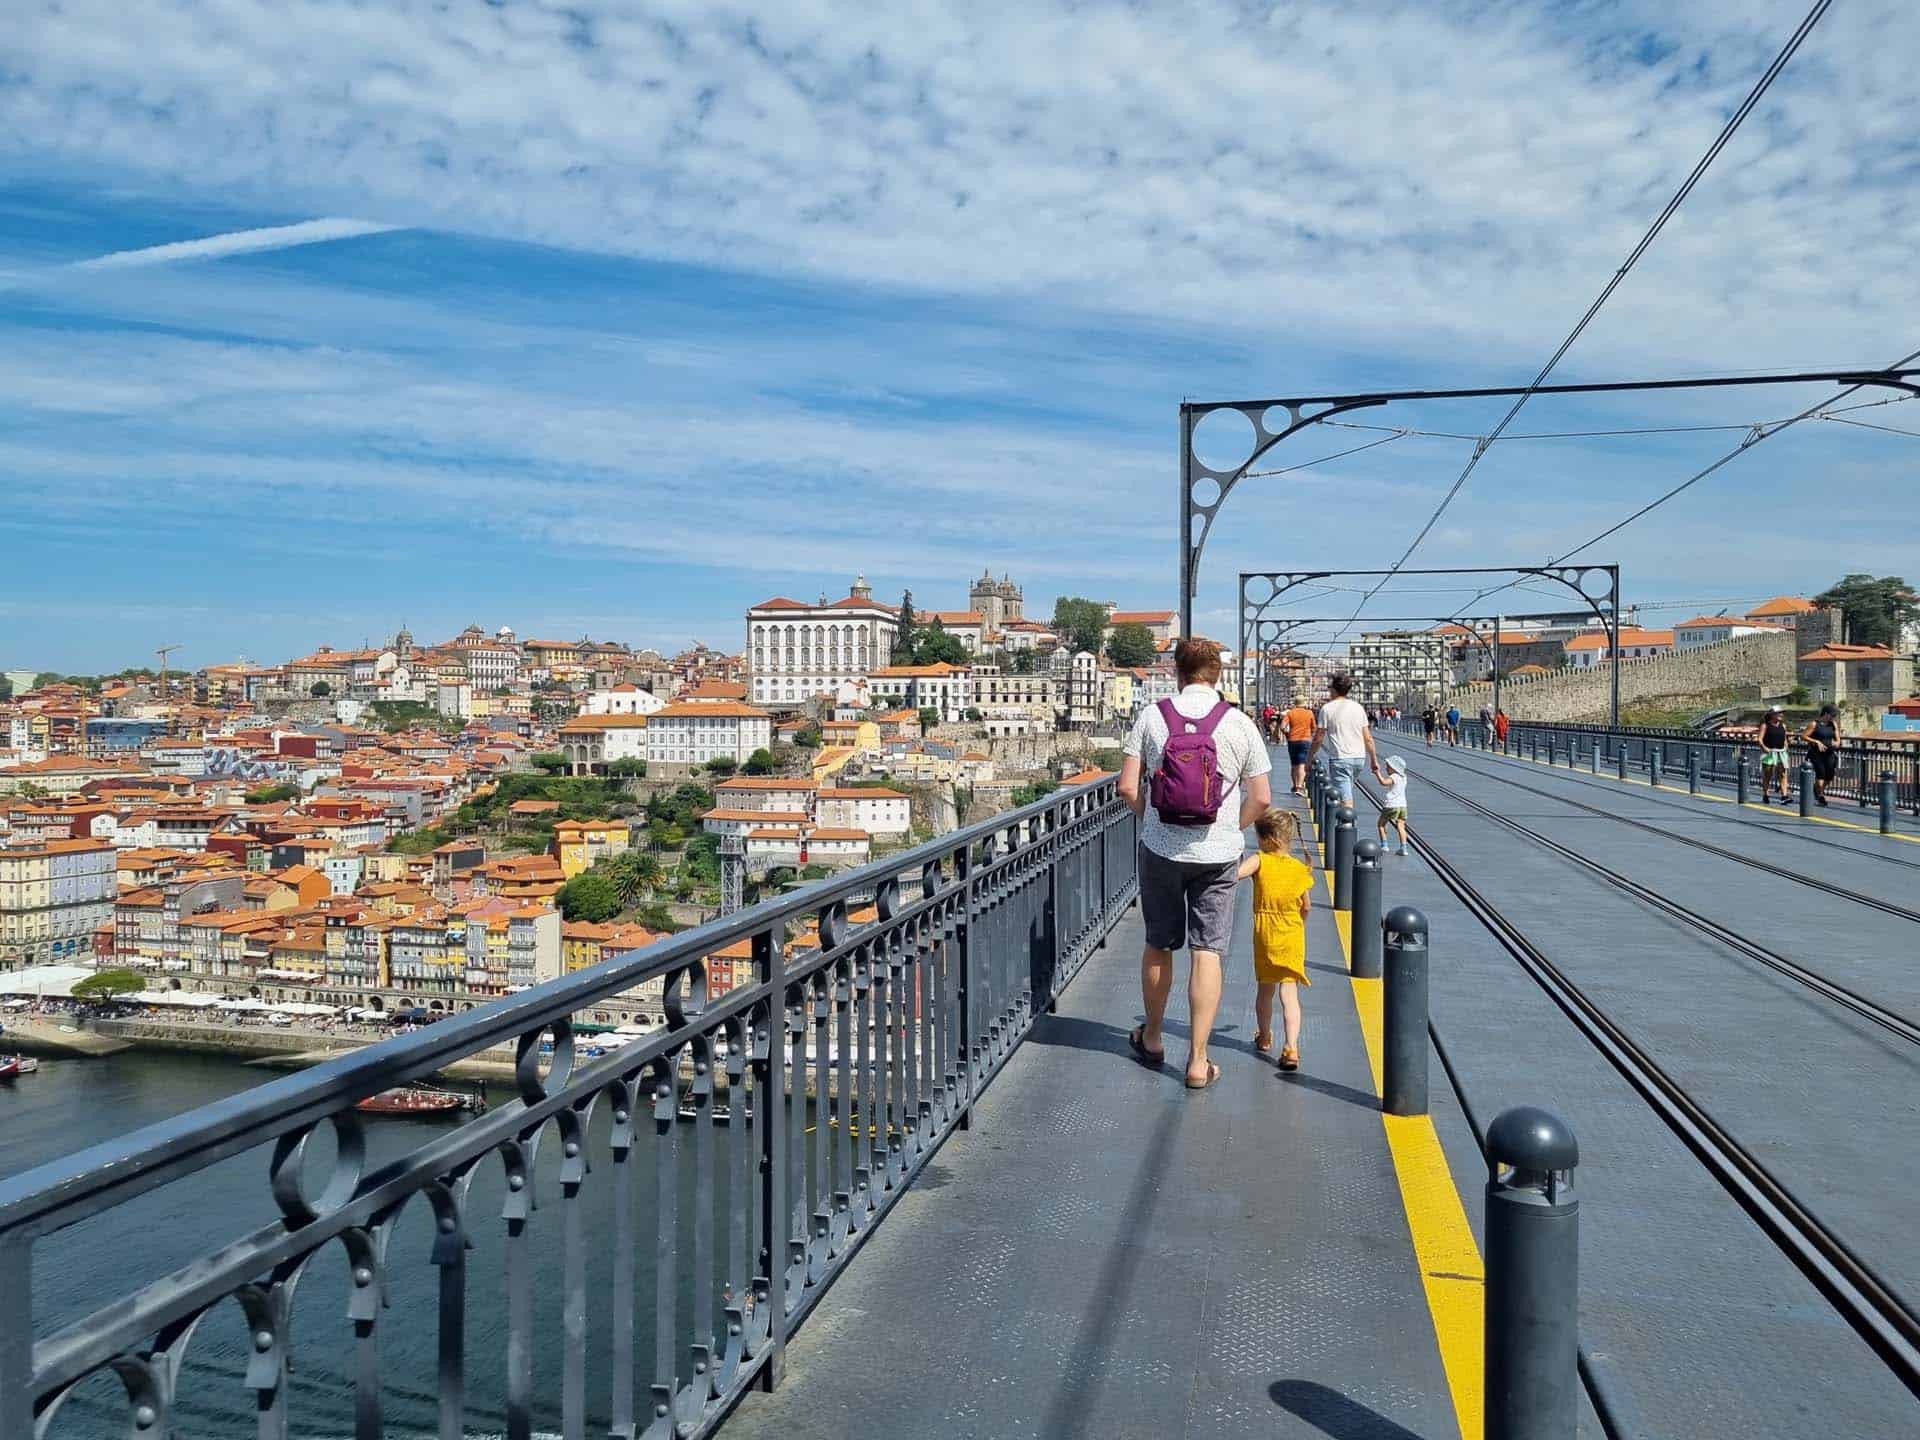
{"x": 771, "y": 1091}
{"x": 962, "y": 942}
{"x": 16, "y": 1338}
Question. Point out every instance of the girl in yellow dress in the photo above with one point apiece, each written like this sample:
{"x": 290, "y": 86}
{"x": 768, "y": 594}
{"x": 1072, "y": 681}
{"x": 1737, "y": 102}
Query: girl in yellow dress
{"x": 1282, "y": 896}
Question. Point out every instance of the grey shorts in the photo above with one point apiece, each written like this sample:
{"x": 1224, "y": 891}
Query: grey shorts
{"x": 1186, "y": 902}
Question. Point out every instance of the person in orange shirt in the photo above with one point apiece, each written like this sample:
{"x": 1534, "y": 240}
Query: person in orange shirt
{"x": 1298, "y": 722}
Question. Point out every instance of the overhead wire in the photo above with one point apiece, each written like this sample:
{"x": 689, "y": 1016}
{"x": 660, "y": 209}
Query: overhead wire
{"x": 1667, "y": 212}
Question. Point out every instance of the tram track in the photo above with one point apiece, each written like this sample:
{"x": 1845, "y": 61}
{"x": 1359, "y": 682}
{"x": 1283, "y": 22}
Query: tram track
{"x": 1825, "y": 840}
{"x": 1871, "y": 1305}
{"x": 1809, "y": 881}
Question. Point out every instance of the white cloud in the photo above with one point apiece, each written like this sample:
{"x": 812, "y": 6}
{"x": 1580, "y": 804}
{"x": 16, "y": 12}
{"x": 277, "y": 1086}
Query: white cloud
{"x": 1411, "y": 174}
{"x": 237, "y": 242}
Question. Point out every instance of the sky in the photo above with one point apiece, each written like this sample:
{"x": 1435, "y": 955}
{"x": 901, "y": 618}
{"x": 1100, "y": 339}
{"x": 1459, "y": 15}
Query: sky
{"x": 615, "y": 318}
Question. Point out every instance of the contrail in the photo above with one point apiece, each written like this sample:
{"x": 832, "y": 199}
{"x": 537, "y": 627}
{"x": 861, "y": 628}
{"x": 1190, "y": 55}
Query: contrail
{"x": 238, "y": 242}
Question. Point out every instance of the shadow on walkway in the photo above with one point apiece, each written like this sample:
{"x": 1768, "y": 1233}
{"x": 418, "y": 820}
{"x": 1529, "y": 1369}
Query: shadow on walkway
{"x": 1333, "y": 1414}
{"x": 1112, "y": 1297}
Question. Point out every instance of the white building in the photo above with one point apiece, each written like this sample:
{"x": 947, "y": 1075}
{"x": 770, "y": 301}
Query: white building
{"x": 796, "y": 651}
{"x": 1713, "y": 629}
{"x": 802, "y": 845}
{"x": 696, "y": 732}
{"x": 593, "y": 742}
{"x": 765, "y": 792}
{"x": 730, "y": 820}
{"x": 1588, "y": 649}
{"x": 621, "y": 700}
{"x": 876, "y": 811}
{"x": 943, "y": 687}
{"x": 492, "y": 660}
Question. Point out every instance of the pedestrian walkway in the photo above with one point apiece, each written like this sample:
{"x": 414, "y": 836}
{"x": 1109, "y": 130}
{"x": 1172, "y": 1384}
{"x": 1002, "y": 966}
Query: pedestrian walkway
{"x": 1106, "y": 1254}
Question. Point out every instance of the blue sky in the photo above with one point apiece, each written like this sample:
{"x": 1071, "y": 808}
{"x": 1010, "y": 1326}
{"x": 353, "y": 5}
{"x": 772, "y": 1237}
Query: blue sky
{"x": 617, "y": 318}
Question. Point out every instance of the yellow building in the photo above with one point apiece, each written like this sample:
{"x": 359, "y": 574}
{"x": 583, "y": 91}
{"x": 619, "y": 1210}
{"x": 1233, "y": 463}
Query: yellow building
{"x": 53, "y": 896}
{"x": 861, "y": 736}
{"x": 829, "y": 761}
{"x": 581, "y": 844}
{"x": 1118, "y": 691}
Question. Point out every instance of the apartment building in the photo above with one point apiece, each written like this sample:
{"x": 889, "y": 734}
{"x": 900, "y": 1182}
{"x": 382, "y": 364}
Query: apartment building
{"x": 53, "y": 896}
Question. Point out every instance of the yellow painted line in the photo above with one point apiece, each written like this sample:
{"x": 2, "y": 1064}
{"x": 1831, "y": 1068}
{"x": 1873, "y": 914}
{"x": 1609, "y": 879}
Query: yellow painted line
{"x": 1451, "y": 1271}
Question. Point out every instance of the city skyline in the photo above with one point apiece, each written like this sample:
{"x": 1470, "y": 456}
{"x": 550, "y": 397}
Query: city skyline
{"x": 332, "y": 380}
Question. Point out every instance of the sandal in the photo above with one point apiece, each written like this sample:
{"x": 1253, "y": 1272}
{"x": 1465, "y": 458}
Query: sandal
{"x": 1263, "y": 1041}
{"x": 1213, "y": 1074}
{"x": 1290, "y": 1058}
{"x": 1137, "y": 1042}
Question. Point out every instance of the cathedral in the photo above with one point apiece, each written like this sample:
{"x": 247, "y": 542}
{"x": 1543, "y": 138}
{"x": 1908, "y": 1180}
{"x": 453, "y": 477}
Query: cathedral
{"x": 995, "y": 601}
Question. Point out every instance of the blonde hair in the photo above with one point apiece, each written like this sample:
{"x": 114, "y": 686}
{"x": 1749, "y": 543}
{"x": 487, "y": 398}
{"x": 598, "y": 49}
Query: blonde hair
{"x": 1278, "y": 831}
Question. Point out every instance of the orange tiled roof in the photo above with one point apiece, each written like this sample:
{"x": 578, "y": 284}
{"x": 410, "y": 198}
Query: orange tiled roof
{"x": 1849, "y": 652}
{"x": 1784, "y": 605}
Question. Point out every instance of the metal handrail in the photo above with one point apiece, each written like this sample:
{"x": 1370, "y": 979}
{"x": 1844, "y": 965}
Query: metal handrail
{"x": 931, "y": 995}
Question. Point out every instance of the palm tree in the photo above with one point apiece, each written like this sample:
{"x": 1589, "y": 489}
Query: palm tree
{"x": 632, "y": 874}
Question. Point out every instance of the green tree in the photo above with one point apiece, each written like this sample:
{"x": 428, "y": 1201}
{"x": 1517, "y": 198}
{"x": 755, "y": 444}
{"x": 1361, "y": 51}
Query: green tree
{"x": 905, "y": 637}
{"x": 937, "y": 645}
{"x": 106, "y": 985}
{"x": 1038, "y": 790}
{"x": 974, "y": 715}
{"x": 929, "y": 717}
{"x": 271, "y": 794}
{"x": 320, "y": 689}
{"x": 722, "y": 765}
{"x": 1877, "y": 609}
{"x": 760, "y": 762}
{"x": 627, "y": 768}
{"x": 807, "y": 737}
{"x": 551, "y": 761}
{"x": 1081, "y": 624}
{"x": 655, "y": 916}
{"x": 1131, "y": 646}
{"x": 1023, "y": 662}
{"x": 633, "y": 874}
{"x": 591, "y": 897}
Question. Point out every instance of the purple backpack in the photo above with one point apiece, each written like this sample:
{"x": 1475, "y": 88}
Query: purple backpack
{"x": 1186, "y": 789}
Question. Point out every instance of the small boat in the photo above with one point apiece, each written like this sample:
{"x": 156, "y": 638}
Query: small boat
{"x": 722, "y": 1112}
{"x": 9, "y": 1067}
{"x": 27, "y": 1064}
{"x": 421, "y": 1102}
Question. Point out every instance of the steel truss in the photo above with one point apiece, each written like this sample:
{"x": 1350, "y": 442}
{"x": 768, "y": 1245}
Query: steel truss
{"x": 1204, "y": 489}
{"x": 1257, "y": 629}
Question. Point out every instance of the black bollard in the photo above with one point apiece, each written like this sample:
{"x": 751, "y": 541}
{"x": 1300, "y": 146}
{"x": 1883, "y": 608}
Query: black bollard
{"x": 1693, "y": 769}
{"x": 1595, "y": 756}
{"x": 1740, "y": 779}
{"x": 1620, "y": 756}
{"x": 1404, "y": 1011}
{"x": 1654, "y": 759}
{"x": 1806, "y": 790}
{"x": 1365, "y": 961}
{"x": 1886, "y": 802}
{"x": 1343, "y": 837}
{"x": 1532, "y": 1318}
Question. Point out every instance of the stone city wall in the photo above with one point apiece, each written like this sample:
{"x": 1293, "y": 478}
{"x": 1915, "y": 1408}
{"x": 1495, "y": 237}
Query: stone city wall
{"x": 1764, "y": 663}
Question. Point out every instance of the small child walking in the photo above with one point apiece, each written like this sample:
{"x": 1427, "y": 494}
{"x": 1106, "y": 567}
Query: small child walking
{"x": 1393, "y": 801}
{"x": 1282, "y": 896}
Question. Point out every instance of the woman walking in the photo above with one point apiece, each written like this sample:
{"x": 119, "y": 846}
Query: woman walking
{"x": 1773, "y": 756}
{"x": 1823, "y": 749}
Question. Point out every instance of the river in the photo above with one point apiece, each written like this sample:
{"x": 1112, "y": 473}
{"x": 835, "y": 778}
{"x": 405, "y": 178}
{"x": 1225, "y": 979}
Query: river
{"x": 72, "y": 1103}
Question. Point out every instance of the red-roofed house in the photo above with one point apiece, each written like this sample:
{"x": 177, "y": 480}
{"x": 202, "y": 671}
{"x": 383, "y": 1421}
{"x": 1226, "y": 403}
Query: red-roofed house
{"x": 1863, "y": 676}
{"x": 1584, "y": 651}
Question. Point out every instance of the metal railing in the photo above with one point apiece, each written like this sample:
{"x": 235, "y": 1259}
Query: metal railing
{"x": 1859, "y": 763}
{"x": 787, "y": 1116}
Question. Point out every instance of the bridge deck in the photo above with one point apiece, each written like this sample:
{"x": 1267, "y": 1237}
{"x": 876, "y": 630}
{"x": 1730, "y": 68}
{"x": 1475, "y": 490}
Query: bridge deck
{"x": 1106, "y": 1254}
{"x": 1702, "y": 1323}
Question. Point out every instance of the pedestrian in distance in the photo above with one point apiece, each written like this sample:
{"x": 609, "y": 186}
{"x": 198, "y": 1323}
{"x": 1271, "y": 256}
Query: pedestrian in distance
{"x": 1282, "y": 896}
{"x": 1298, "y": 724}
{"x": 1344, "y": 732}
{"x": 1486, "y": 721}
{"x": 1500, "y": 724}
{"x": 1429, "y": 722}
{"x": 1195, "y": 772}
{"x": 1393, "y": 802}
{"x": 1773, "y": 756}
{"x": 1823, "y": 749}
{"x": 1453, "y": 724}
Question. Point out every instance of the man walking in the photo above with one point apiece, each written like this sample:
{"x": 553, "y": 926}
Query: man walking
{"x": 1344, "y": 731}
{"x": 1196, "y": 774}
{"x": 1453, "y": 724}
{"x": 1299, "y": 727}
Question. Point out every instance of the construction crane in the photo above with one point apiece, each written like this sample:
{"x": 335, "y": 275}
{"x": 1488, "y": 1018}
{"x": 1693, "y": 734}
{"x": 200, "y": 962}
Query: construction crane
{"x": 163, "y": 652}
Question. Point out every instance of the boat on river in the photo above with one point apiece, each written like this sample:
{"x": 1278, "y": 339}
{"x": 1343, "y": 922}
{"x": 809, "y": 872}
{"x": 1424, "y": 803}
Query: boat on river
{"x": 421, "y": 1102}
{"x": 14, "y": 1066}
